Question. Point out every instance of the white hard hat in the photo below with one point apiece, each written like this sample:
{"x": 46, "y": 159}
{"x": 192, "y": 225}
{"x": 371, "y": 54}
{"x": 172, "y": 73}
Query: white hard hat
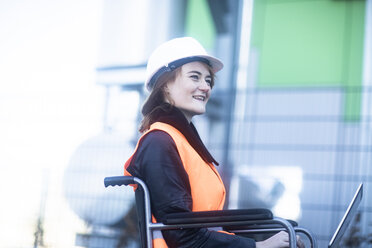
{"x": 175, "y": 53}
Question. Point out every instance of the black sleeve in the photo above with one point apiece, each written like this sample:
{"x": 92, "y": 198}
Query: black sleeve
{"x": 158, "y": 163}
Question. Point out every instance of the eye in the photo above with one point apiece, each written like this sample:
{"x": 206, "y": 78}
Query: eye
{"x": 208, "y": 81}
{"x": 194, "y": 77}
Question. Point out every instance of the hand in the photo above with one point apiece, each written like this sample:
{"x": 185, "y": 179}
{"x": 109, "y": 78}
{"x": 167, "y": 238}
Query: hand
{"x": 279, "y": 240}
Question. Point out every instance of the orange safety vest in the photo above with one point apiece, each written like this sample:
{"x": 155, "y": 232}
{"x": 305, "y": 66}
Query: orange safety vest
{"x": 207, "y": 189}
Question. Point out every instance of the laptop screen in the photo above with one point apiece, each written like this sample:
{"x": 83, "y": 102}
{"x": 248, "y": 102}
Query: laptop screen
{"x": 348, "y": 216}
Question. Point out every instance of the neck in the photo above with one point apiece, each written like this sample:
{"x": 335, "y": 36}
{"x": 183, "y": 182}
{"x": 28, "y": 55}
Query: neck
{"x": 187, "y": 115}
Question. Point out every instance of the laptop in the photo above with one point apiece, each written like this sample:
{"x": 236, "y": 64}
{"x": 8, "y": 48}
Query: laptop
{"x": 346, "y": 219}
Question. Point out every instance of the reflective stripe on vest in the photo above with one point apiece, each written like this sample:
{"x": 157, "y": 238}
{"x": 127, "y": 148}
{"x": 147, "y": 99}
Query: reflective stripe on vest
{"x": 207, "y": 188}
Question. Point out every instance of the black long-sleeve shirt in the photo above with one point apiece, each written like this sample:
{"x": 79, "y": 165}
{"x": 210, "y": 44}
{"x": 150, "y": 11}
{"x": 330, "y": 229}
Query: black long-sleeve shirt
{"x": 158, "y": 163}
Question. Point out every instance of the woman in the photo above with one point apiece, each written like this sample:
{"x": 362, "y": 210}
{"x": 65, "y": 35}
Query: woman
{"x": 170, "y": 156}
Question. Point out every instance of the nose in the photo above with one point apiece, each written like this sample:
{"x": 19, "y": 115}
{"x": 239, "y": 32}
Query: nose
{"x": 204, "y": 86}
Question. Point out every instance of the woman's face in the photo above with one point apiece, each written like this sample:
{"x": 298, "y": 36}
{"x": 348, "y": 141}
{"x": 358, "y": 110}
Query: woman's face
{"x": 191, "y": 89}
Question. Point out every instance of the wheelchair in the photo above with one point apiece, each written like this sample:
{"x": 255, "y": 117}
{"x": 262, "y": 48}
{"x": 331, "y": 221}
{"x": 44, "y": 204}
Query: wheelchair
{"x": 239, "y": 221}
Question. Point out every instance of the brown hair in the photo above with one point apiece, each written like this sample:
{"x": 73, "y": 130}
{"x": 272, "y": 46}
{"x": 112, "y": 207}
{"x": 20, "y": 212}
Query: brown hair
{"x": 158, "y": 97}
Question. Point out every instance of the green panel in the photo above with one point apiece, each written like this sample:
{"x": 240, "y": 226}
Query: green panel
{"x": 257, "y": 23}
{"x": 199, "y": 23}
{"x": 302, "y": 44}
{"x": 311, "y": 43}
{"x": 354, "y": 59}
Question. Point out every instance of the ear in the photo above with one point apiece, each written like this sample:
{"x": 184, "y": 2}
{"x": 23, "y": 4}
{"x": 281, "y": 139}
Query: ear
{"x": 166, "y": 89}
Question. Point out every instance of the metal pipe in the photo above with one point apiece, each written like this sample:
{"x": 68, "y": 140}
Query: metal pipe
{"x": 147, "y": 211}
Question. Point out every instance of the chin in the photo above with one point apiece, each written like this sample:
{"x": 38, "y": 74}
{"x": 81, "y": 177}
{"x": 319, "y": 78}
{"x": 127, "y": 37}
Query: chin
{"x": 199, "y": 112}
{"x": 192, "y": 112}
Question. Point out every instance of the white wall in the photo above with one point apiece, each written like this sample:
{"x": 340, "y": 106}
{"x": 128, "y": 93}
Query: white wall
{"x": 49, "y": 104}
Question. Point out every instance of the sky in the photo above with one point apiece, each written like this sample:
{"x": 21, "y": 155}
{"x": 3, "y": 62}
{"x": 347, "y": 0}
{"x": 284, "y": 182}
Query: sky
{"x": 49, "y": 104}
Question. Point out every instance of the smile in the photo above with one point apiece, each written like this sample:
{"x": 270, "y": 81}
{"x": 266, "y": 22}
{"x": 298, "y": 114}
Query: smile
{"x": 200, "y": 98}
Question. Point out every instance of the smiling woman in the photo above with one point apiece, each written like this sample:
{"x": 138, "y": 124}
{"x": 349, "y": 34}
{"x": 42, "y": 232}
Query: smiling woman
{"x": 170, "y": 156}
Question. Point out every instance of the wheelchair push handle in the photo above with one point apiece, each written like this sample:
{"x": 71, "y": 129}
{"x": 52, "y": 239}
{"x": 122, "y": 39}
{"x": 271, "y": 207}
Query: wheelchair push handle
{"x": 119, "y": 181}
